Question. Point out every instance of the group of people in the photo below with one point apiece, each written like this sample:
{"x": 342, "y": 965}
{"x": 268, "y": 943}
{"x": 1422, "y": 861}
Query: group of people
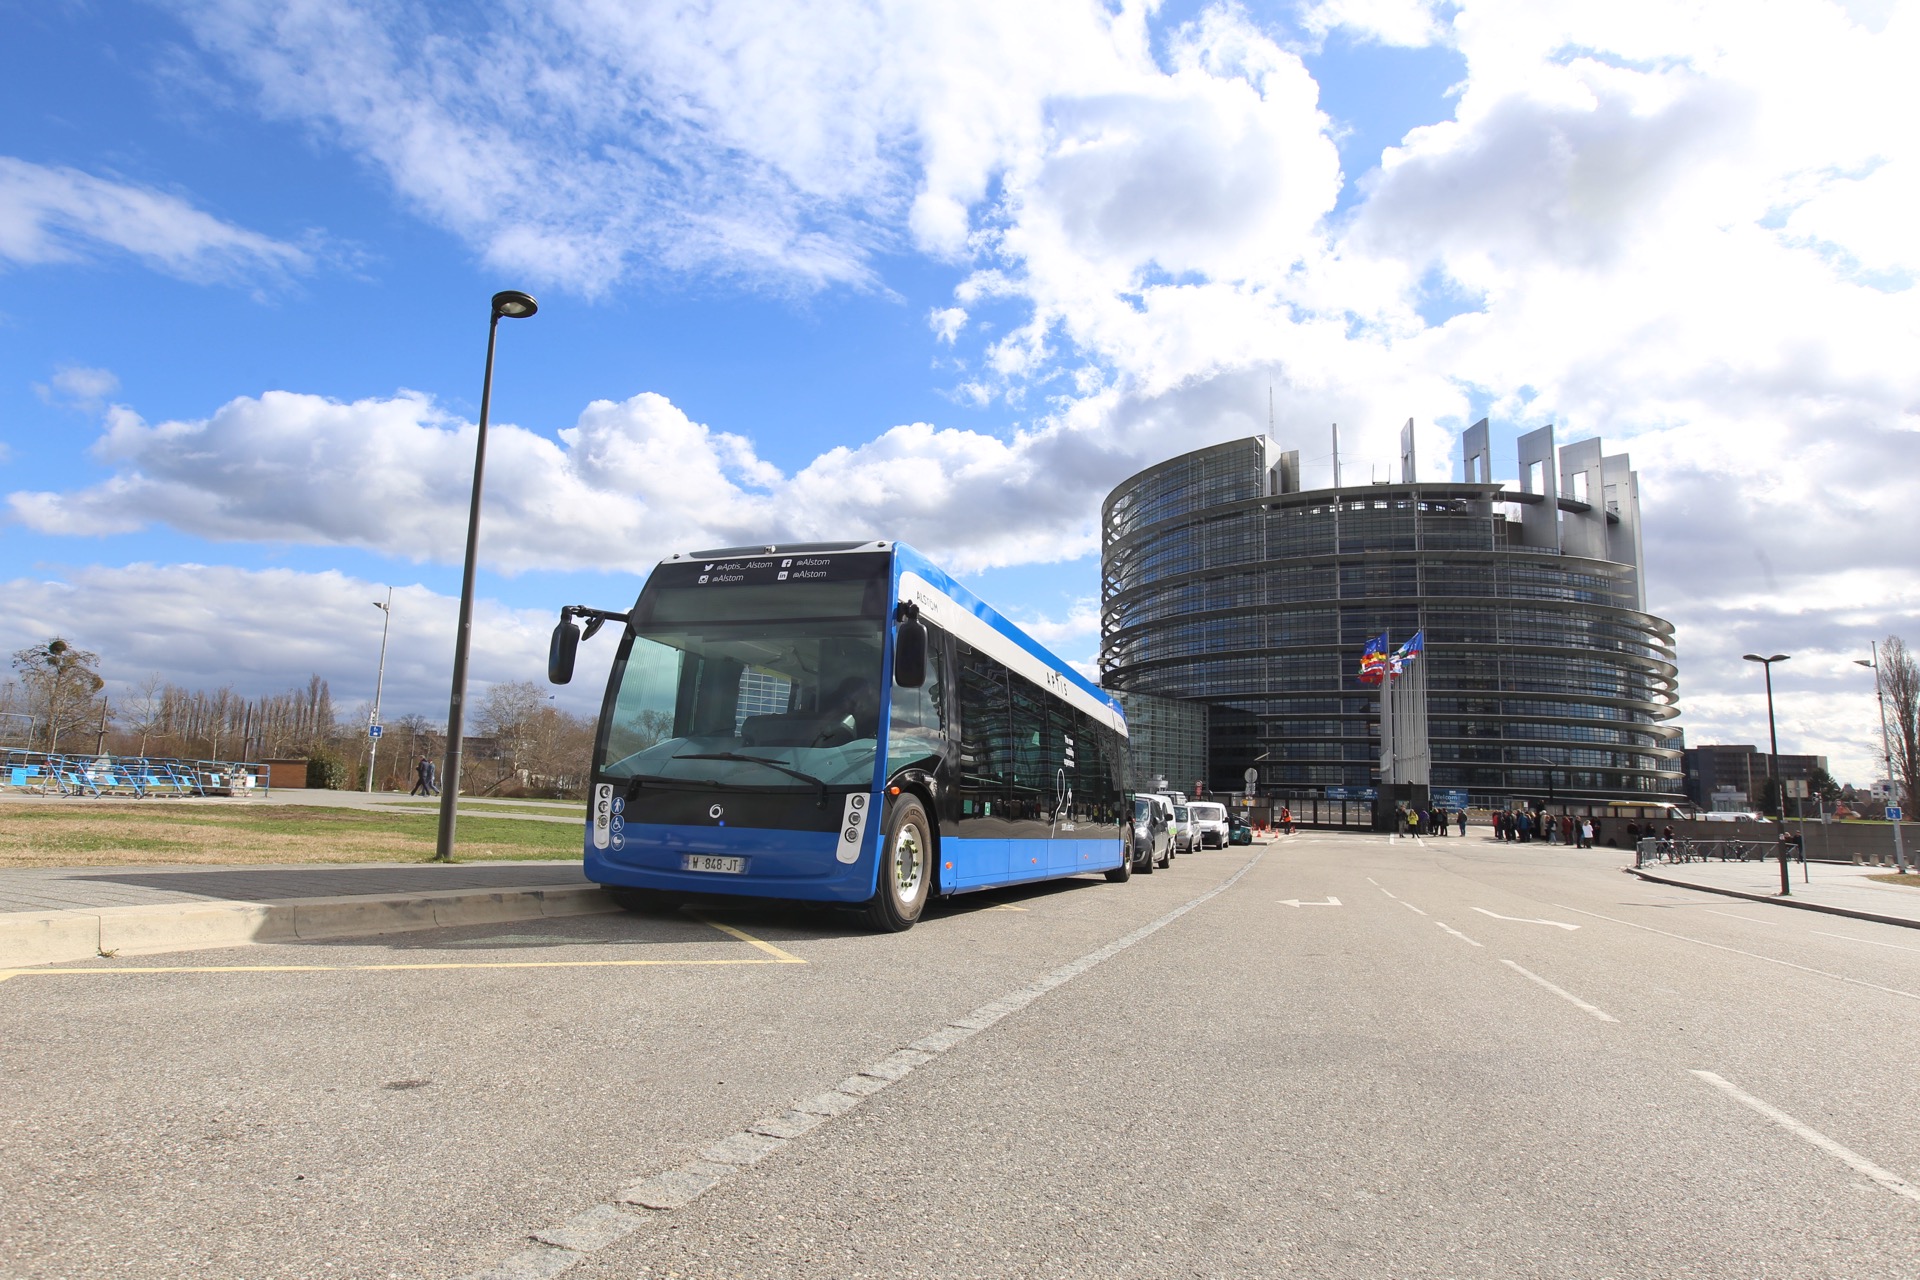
{"x": 1523, "y": 826}
{"x": 1431, "y": 822}
{"x": 425, "y": 781}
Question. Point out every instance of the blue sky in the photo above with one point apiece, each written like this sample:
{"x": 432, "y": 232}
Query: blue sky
{"x": 927, "y": 273}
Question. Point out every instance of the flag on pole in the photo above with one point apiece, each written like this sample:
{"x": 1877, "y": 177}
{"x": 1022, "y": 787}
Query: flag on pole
{"x": 1373, "y": 660}
{"x": 1413, "y": 648}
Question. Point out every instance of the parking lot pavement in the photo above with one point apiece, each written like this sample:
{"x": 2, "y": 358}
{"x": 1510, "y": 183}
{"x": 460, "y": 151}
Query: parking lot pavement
{"x": 417, "y": 1104}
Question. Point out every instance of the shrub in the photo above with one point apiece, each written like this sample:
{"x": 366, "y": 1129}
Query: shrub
{"x": 326, "y": 771}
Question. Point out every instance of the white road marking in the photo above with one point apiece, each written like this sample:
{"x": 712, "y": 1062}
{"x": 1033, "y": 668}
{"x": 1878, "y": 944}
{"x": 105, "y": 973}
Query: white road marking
{"x": 1456, "y": 933}
{"x": 1295, "y": 902}
{"x": 564, "y": 1247}
{"x": 1749, "y": 919}
{"x": 1869, "y": 941}
{"x": 1568, "y": 996}
{"x": 1523, "y": 920}
{"x": 1859, "y": 1163}
{"x": 1373, "y": 882}
{"x": 1751, "y": 955}
{"x": 1409, "y": 906}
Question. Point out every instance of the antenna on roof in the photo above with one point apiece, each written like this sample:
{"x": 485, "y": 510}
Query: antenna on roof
{"x": 1269, "y": 410}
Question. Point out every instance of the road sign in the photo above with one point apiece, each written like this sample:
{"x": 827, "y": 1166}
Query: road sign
{"x": 1893, "y": 813}
{"x": 1251, "y": 775}
{"x": 373, "y": 731}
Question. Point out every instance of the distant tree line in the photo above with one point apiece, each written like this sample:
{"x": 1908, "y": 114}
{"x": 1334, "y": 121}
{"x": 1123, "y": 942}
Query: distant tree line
{"x": 56, "y": 703}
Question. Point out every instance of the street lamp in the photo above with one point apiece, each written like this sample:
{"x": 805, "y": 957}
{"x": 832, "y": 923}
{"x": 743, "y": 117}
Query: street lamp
{"x": 1773, "y": 763}
{"x": 514, "y": 305}
{"x": 1886, "y": 750}
{"x": 379, "y": 683}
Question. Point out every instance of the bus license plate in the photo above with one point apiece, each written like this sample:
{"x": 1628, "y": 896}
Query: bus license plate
{"x": 713, "y": 862}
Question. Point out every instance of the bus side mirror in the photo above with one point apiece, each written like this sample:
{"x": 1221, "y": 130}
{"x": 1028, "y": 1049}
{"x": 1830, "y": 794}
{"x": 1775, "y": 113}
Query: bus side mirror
{"x": 560, "y": 652}
{"x": 910, "y": 654}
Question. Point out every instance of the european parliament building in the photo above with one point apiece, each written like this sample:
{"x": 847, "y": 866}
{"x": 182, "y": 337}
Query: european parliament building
{"x": 1225, "y": 583}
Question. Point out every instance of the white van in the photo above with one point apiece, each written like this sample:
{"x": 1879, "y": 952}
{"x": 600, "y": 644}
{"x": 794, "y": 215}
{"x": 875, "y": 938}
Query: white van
{"x": 1207, "y": 825}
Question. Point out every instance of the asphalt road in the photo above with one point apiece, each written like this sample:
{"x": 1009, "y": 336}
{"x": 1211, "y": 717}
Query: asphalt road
{"x": 1434, "y": 1077}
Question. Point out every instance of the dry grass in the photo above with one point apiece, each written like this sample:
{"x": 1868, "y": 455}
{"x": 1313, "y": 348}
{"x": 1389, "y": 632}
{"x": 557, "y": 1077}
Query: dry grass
{"x": 1910, "y": 880}
{"x": 146, "y": 833}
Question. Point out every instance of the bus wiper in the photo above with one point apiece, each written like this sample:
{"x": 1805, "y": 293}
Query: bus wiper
{"x": 819, "y": 784}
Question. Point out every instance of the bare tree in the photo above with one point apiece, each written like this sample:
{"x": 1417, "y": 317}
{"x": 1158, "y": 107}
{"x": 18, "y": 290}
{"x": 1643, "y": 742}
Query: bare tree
{"x": 1900, "y": 677}
{"x": 146, "y": 709}
{"x": 61, "y": 685}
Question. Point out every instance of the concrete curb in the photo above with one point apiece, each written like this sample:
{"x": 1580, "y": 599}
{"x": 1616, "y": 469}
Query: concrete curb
{"x": 29, "y": 938}
{"x": 1776, "y": 900}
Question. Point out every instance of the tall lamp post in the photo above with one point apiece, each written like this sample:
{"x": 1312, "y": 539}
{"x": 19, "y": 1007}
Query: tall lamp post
{"x": 379, "y": 683}
{"x": 1773, "y": 764}
{"x": 1886, "y": 751}
{"x": 514, "y": 305}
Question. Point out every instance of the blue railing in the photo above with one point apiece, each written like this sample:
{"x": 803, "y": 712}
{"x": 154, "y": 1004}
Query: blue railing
{"x": 43, "y": 773}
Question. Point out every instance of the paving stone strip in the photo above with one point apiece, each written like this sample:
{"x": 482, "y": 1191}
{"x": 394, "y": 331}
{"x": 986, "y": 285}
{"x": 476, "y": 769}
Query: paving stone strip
{"x": 81, "y": 888}
{"x": 559, "y": 1248}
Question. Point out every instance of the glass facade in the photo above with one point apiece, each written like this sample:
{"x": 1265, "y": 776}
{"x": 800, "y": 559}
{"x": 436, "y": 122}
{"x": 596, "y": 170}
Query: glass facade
{"x": 1546, "y": 678}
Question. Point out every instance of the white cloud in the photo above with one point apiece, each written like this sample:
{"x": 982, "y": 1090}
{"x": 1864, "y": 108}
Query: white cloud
{"x": 78, "y": 386}
{"x": 264, "y": 631}
{"x": 63, "y": 215}
{"x": 947, "y": 322}
{"x": 1408, "y": 23}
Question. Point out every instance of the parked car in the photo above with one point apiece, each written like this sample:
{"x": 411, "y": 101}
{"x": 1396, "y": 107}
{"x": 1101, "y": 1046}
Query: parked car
{"x": 1239, "y": 832}
{"x": 1182, "y": 829}
{"x": 1150, "y": 836}
{"x": 1209, "y": 822}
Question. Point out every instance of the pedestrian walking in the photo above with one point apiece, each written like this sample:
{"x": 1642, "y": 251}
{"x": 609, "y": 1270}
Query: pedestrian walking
{"x": 1462, "y": 815}
{"x": 422, "y": 778}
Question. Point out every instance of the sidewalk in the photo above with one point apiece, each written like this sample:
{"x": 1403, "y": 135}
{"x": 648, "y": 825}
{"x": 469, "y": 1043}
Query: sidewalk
{"x": 80, "y": 888}
{"x": 1834, "y": 888}
{"x": 57, "y": 915}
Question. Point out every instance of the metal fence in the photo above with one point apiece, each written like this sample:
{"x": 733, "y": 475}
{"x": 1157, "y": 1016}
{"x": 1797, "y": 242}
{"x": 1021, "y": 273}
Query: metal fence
{"x": 142, "y": 777}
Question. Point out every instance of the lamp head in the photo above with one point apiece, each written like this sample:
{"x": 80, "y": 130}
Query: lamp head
{"x": 1862, "y": 662}
{"x": 514, "y": 304}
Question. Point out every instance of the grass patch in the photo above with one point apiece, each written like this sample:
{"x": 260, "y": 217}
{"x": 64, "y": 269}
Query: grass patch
{"x": 108, "y": 834}
{"x": 1910, "y": 880}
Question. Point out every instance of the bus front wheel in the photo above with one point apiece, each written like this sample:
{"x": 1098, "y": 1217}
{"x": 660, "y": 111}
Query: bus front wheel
{"x": 906, "y": 868}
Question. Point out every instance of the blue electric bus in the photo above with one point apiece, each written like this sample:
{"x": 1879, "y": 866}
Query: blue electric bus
{"x": 839, "y": 722}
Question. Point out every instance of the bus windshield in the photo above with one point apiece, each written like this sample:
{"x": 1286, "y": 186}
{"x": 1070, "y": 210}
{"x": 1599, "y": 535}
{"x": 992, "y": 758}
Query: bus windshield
{"x": 756, "y": 686}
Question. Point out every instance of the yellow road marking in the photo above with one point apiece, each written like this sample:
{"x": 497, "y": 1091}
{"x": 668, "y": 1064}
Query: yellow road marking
{"x": 779, "y": 956}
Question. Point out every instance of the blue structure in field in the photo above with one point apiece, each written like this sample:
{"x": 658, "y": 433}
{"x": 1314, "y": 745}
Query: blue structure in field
{"x": 755, "y": 739}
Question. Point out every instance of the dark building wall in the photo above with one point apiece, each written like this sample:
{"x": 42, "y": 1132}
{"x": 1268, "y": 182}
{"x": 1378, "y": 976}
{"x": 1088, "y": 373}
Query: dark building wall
{"x": 1741, "y": 766}
{"x": 1545, "y": 676}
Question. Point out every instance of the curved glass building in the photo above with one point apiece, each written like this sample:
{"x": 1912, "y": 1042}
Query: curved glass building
{"x": 1548, "y": 681}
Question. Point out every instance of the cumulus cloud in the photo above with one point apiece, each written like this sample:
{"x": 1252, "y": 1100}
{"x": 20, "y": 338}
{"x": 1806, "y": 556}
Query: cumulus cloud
{"x": 264, "y": 631}
{"x": 64, "y": 215}
{"x": 628, "y": 483}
